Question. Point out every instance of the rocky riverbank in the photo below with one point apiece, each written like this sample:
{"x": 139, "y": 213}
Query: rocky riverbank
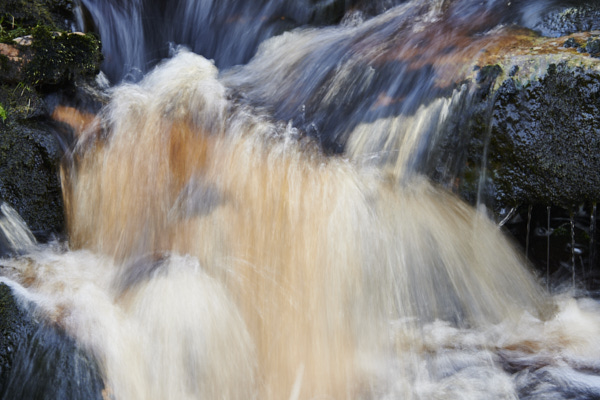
{"x": 41, "y": 62}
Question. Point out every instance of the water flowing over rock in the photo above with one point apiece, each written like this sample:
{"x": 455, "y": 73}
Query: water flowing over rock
{"x": 265, "y": 204}
{"x": 233, "y": 29}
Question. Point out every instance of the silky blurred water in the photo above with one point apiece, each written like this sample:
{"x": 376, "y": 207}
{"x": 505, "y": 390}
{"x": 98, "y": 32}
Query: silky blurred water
{"x": 259, "y": 225}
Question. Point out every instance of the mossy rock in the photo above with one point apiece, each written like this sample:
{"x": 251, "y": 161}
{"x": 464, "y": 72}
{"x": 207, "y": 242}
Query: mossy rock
{"x": 59, "y": 59}
{"x": 20, "y": 14}
{"x": 533, "y": 124}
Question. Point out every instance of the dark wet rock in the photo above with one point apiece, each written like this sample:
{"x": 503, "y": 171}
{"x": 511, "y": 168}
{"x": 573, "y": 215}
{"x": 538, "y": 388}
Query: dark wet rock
{"x": 534, "y": 124}
{"x": 531, "y": 126}
{"x": 40, "y": 63}
{"x": 545, "y": 138}
{"x": 593, "y": 47}
{"x": 571, "y": 43}
{"x": 533, "y": 144}
{"x": 539, "y": 141}
{"x": 580, "y": 16}
{"x": 29, "y": 157}
{"x": 486, "y": 77}
{"x": 14, "y": 329}
{"x": 38, "y": 361}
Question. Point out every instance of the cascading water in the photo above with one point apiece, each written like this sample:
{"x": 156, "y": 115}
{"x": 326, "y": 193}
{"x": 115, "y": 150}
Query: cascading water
{"x": 265, "y": 231}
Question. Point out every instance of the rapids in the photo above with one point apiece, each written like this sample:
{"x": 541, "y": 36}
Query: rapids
{"x": 260, "y": 226}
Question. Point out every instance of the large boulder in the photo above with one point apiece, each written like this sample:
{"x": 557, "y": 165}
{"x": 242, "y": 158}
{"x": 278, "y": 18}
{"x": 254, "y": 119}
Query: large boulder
{"x": 545, "y": 138}
{"x": 534, "y": 149}
{"x": 540, "y": 123}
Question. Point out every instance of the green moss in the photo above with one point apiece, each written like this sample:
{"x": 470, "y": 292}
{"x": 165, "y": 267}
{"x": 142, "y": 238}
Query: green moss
{"x": 563, "y": 231}
{"x": 21, "y": 102}
{"x": 7, "y": 36}
{"x": 58, "y": 58}
{"x": 17, "y": 15}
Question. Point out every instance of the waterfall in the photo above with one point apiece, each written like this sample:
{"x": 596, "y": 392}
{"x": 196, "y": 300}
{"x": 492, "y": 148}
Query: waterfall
{"x": 15, "y": 236}
{"x": 250, "y": 217}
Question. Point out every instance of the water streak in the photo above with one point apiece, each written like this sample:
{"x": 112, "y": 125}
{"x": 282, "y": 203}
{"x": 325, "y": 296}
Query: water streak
{"x": 549, "y": 232}
{"x": 529, "y": 210}
{"x": 573, "y": 249}
{"x": 15, "y": 237}
{"x": 592, "y": 255}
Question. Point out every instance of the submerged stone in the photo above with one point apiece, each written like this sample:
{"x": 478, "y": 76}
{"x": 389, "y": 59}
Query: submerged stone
{"x": 38, "y": 361}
